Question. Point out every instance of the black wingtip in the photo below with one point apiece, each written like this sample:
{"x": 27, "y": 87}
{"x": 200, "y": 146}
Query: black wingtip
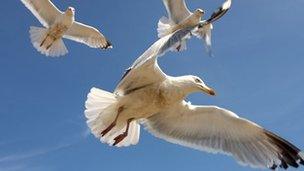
{"x": 218, "y": 13}
{"x": 108, "y": 45}
{"x": 273, "y": 167}
{"x": 302, "y": 161}
{"x": 288, "y": 153}
{"x": 126, "y": 73}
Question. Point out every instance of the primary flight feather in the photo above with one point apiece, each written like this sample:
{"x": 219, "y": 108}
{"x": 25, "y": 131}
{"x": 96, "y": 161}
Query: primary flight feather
{"x": 58, "y": 25}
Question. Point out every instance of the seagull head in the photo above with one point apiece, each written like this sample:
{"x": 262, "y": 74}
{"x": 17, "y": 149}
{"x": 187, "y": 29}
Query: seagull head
{"x": 191, "y": 84}
{"x": 70, "y": 11}
{"x": 199, "y": 12}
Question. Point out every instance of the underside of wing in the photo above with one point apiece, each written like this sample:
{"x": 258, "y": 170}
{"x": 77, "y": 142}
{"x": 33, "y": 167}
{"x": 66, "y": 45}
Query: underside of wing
{"x": 214, "y": 129}
{"x": 88, "y": 35}
{"x": 145, "y": 69}
{"x": 177, "y": 10}
{"x": 44, "y": 10}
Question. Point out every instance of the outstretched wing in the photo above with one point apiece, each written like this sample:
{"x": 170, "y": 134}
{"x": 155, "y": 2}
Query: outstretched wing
{"x": 44, "y": 10}
{"x": 214, "y": 129}
{"x": 220, "y": 11}
{"x": 177, "y": 10}
{"x": 88, "y": 35}
{"x": 145, "y": 69}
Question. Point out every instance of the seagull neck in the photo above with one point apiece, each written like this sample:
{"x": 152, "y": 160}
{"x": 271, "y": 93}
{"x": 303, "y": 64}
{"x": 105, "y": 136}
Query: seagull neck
{"x": 180, "y": 87}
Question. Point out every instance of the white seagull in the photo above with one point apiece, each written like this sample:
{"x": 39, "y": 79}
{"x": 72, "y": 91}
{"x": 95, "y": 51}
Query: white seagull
{"x": 179, "y": 16}
{"x": 147, "y": 95}
{"x": 60, "y": 25}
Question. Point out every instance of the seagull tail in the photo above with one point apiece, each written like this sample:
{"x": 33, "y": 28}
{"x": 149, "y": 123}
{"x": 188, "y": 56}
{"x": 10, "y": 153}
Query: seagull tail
{"x": 165, "y": 26}
{"x": 44, "y": 44}
{"x": 101, "y": 110}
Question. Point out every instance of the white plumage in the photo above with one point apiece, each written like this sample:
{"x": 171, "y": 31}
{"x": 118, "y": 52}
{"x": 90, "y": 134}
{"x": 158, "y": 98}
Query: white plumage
{"x": 179, "y": 14}
{"x": 57, "y": 25}
{"x": 147, "y": 95}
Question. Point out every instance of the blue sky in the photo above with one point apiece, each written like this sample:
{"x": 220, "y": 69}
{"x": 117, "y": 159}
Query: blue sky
{"x": 257, "y": 72}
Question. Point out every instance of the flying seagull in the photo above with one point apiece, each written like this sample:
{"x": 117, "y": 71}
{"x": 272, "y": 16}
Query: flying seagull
{"x": 58, "y": 25}
{"x": 147, "y": 95}
{"x": 179, "y": 16}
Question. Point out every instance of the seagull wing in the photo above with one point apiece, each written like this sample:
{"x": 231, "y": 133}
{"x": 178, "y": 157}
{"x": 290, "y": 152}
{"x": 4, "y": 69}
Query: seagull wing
{"x": 88, "y": 35}
{"x": 44, "y": 10}
{"x": 145, "y": 69}
{"x": 177, "y": 10}
{"x": 214, "y": 129}
{"x": 205, "y": 32}
{"x": 217, "y": 14}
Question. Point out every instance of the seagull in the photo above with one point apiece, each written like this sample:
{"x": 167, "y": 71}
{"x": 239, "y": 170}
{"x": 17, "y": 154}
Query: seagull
{"x": 147, "y": 96}
{"x": 179, "y": 15}
{"x": 58, "y": 25}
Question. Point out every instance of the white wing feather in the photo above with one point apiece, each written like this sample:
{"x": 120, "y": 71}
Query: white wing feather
{"x": 44, "y": 10}
{"x": 213, "y": 129}
{"x": 88, "y": 35}
{"x": 177, "y": 10}
{"x": 145, "y": 69}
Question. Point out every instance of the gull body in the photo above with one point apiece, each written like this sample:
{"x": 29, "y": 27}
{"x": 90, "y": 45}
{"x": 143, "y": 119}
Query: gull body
{"x": 58, "y": 25}
{"x": 147, "y": 96}
{"x": 58, "y": 28}
{"x": 147, "y": 100}
{"x": 192, "y": 20}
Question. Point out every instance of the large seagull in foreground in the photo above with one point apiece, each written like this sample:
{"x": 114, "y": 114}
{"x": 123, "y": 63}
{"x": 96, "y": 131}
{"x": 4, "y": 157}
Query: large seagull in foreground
{"x": 179, "y": 16}
{"x": 60, "y": 25}
{"x": 147, "y": 95}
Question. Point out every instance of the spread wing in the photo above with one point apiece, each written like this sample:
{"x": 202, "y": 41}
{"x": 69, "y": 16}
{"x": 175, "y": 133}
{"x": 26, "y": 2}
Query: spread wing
{"x": 177, "y": 10}
{"x": 88, "y": 35}
{"x": 44, "y": 10}
{"x": 214, "y": 129}
{"x": 145, "y": 69}
{"x": 217, "y": 14}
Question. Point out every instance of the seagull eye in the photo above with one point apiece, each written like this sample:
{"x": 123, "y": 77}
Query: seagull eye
{"x": 197, "y": 80}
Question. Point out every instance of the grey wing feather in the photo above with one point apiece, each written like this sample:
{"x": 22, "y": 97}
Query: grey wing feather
{"x": 213, "y": 129}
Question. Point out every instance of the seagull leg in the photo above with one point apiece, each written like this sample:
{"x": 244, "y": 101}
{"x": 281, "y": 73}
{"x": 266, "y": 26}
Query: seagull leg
{"x": 43, "y": 41}
{"x": 48, "y": 47}
{"x": 54, "y": 39}
{"x": 110, "y": 127}
{"x": 122, "y": 136}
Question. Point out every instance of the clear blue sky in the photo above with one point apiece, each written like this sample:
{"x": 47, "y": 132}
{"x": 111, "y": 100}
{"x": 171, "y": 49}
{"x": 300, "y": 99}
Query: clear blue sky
{"x": 257, "y": 72}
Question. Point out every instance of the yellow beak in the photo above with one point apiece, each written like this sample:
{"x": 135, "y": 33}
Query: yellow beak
{"x": 207, "y": 90}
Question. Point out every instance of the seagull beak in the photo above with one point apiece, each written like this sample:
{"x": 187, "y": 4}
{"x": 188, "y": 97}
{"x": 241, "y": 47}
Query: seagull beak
{"x": 207, "y": 90}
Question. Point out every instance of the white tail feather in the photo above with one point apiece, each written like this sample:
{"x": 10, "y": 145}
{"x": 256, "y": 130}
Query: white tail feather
{"x": 38, "y": 34}
{"x": 101, "y": 110}
{"x": 164, "y": 27}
